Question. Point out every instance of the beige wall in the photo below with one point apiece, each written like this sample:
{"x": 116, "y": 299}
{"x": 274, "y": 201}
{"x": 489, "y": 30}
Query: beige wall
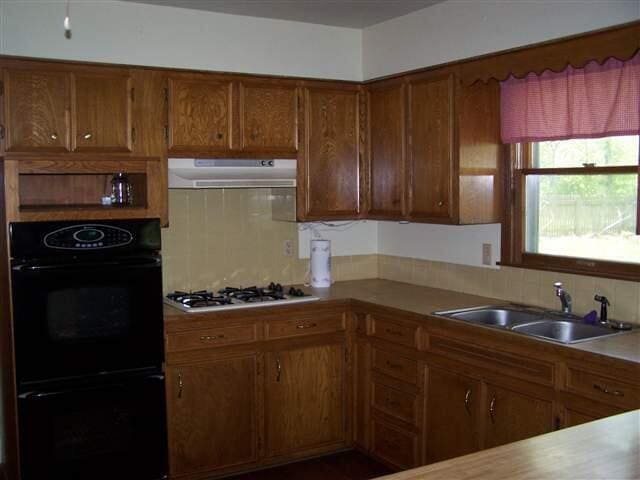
{"x": 226, "y": 237}
{"x": 531, "y": 287}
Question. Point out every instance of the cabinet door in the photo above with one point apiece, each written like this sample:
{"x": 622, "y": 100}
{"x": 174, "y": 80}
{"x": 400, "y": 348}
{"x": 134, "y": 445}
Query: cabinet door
{"x": 431, "y": 123}
{"x": 453, "y": 407}
{"x": 199, "y": 115}
{"x": 212, "y": 414}
{"x": 36, "y": 111}
{"x": 513, "y": 416}
{"x": 102, "y": 112}
{"x": 387, "y": 169}
{"x": 305, "y": 399}
{"x": 268, "y": 115}
{"x": 331, "y": 171}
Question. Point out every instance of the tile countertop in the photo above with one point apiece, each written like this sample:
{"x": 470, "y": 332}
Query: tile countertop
{"x": 606, "y": 448}
{"x": 424, "y": 301}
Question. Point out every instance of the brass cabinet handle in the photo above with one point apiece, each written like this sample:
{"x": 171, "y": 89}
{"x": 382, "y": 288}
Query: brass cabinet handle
{"x": 392, "y": 403}
{"x": 467, "y": 401}
{"x": 302, "y": 326}
{"x": 180, "y": 385}
{"x": 492, "y": 410}
{"x": 391, "y": 331}
{"x": 604, "y": 389}
{"x": 87, "y": 136}
{"x": 441, "y": 203}
{"x": 206, "y": 338}
{"x": 54, "y": 136}
{"x": 278, "y": 370}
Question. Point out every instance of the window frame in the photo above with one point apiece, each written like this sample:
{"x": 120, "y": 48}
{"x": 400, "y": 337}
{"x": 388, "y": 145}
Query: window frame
{"x": 519, "y": 161}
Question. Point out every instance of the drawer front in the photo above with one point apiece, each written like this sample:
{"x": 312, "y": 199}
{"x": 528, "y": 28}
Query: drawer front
{"x": 402, "y": 368}
{"x": 212, "y": 337}
{"x": 501, "y": 362}
{"x": 303, "y": 325}
{"x": 396, "y": 446}
{"x": 395, "y": 403}
{"x": 603, "y": 389}
{"x": 395, "y": 332}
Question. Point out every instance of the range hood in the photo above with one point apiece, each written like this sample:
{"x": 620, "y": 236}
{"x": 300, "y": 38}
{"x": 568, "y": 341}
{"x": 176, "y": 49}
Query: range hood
{"x": 231, "y": 173}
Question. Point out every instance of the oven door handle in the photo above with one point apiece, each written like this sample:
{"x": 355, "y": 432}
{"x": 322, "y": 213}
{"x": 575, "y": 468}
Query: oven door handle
{"x": 35, "y": 395}
{"x": 141, "y": 262}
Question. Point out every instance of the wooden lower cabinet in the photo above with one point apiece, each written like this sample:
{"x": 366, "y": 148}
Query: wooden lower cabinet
{"x": 305, "y": 399}
{"x": 513, "y": 416}
{"x": 212, "y": 412}
{"x": 453, "y": 406}
{"x": 395, "y": 445}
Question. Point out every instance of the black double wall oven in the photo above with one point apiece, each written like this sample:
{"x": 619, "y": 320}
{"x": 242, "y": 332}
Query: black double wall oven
{"x": 88, "y": 334}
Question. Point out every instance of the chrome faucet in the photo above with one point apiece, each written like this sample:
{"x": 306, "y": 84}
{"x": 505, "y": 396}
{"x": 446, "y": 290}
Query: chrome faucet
{"x": 565, "y": 298}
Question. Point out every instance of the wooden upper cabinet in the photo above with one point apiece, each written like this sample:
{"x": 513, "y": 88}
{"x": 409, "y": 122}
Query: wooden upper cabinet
{"x": 36, "y": 111}
{"x": 329, "y": 171}
{"x": 269, "y": 118}
{"x": 102, "y": 110}
{"x": 305, "y": 400}
{"x": 453, "y": 403}
{"x": 212, "y": 412}
{"x": 387, "y": 166}
{"x": 200, "y": 115}
{"x": 431, "y": 148}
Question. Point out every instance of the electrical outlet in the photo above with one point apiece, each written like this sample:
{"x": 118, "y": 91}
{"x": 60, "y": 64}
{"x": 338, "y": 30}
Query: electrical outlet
{"x": 486, "y": 254}
{"x": 287, "y": 248}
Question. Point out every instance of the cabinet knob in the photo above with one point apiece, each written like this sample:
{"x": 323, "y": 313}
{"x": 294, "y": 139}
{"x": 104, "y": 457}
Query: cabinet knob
{"x": 219, "y": 136}
{"x": 87, "y": 136}
{"x": 441, "y": 203}
{"x": 54, "y": 136}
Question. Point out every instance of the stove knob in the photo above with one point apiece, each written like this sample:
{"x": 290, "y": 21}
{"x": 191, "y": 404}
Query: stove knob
{"x": 277, "y": 287}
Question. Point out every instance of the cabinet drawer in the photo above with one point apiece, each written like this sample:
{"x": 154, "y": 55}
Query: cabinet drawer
{"x": 395, "y": 403}
{"x": 603, "y": 389}
{"x": 402, "y": 368}
{"x": 395, "y": 445}
{"x": 177, "y": 342}
{"x": 297, "y": 326}
{"x": 395, "y": 332}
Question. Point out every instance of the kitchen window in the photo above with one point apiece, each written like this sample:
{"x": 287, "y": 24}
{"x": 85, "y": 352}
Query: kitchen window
{"x": 573, "y": 185}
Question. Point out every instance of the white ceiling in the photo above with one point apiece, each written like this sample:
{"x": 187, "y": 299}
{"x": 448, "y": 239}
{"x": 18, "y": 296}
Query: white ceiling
{"x": 340, "y": 13}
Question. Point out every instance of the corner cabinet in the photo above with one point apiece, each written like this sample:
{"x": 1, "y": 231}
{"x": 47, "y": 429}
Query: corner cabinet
{"x": 329, "y": 163}
{"x": 435, "y": 154}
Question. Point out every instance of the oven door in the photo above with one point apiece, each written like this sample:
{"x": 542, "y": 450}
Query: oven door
{"x": 74, "y": 318}
{"x": 115, "y": 430}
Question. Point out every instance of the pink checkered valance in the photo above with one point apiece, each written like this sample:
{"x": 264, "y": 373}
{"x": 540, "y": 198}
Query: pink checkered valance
{"x": 597, "y": 100}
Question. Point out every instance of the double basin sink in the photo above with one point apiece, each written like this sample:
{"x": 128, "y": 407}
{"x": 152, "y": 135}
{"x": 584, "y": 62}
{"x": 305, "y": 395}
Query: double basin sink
{"x": 555, "y": 326}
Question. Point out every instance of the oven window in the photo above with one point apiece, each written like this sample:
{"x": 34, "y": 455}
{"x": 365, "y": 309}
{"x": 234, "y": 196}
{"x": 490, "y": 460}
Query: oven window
{"x": 86, "y": 313}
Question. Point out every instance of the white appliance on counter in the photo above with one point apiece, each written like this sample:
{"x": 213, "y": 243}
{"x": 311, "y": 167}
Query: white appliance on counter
{"x": 231, "y": 173}
{"x": 320, "y": 263}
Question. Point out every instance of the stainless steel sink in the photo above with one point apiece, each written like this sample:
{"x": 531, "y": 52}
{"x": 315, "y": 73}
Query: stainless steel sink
{"x": 550, "y": 325}
{"x": 495, "y": 316}
{"x": 564, "y": 331}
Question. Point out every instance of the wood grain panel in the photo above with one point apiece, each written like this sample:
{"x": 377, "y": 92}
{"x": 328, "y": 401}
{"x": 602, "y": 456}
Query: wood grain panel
{"x": 305, "y": 399}
{"x": 332, "y": 157}
{"x": 402, "y": 368}
{"x": 36, "y": 111}
{"x": 212, "y": 337}
{"x": 396, "y": 332}
{"x": 396, "y": 403}
{"x": 200, "y": 115}
{"x": 511, "y": 416}
{"x": 603, "y": 388}
{"x": 305, "y": 325}
{"x": 102, "y": 112}
{"x": 268, "y": 116}
{"x": 212, "y": 414}
{"x": 387, "y": 161}
{"x": 453, "y": 402}
{"x": 431, "y": 122}
{"x": 394, "y": 445}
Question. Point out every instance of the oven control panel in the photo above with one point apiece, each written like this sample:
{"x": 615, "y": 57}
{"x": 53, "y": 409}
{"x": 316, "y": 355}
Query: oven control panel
{"x": 88, "y": 237}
